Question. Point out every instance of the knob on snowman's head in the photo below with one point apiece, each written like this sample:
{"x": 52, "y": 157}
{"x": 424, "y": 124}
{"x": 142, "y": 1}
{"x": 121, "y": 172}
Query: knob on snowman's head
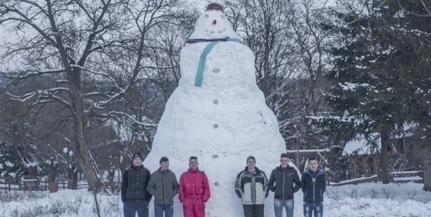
{"x": 214, "y": 6}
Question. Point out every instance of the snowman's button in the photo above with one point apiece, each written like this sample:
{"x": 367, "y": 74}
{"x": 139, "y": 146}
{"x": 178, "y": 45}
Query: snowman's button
{"x": 216, "y": 70}
{"x": 215, "y": 102}
{"x": 216, "y": 184}
{"x": 215, "y": 126}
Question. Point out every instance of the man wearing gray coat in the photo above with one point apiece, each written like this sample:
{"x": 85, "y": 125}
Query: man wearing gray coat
{"x": 164, "y": 186}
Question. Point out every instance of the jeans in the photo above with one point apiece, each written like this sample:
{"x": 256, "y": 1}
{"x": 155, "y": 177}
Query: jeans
{"x": 159, "y": 208}
{"x": 278, "y": 207}
{"x": 310, "y": 207}
{"x": 139, "y": 206}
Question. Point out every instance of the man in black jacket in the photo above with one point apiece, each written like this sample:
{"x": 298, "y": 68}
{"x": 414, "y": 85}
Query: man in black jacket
{"x": 134, "y": 189}
{"x": 164, "y": 186}
{"x": 313, "y": 185}
{"x": 287, "y": 182}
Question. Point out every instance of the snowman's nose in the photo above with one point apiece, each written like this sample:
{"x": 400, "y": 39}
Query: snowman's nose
{"x": 214, "y": 22}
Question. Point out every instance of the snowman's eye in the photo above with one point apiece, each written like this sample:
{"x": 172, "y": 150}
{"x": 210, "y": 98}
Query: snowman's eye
{"x": 222, "y": 16}
{"x": 206, "y": 15}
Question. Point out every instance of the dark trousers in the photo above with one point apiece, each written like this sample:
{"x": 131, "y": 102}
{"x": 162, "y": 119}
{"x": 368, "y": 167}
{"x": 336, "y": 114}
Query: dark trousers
{"x": 130, "y": 208}
{"x": 253, "y": 210}
{"x": 159, "y": 208}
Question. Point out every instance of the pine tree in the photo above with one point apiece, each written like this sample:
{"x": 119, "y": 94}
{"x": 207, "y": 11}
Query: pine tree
{"x": 381, "y": 69}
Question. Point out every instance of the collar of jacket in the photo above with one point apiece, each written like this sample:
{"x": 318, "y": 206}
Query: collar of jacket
{"x": 318, "y": 172}
{"x": 255, "y": 169}
{"x": 162, "y": 171}
{"x": 137, "y": 167}
{"x": 287, "y": 168}
{"x": 190, "y": 170}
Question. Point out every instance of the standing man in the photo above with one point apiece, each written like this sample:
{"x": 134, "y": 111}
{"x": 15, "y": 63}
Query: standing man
{"x": 194, "y": 190}
{"x": 251, "y": 186}
{"x": 286, "y": 184}
{"x": 164, "y": 186}
{"x": 313, "y": 185}
{"x": 134, "y": 189}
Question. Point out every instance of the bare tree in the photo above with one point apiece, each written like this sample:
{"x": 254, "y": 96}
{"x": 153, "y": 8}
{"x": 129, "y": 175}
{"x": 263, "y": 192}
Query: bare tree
{"x": 290, "y": 59}
{"x": 96, "y": 51}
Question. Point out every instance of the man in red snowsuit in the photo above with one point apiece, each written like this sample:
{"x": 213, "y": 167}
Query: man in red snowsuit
{"x": 194, "y": 190}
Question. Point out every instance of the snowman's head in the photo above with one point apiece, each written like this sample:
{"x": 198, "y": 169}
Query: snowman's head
{"x": 213, "y": 24}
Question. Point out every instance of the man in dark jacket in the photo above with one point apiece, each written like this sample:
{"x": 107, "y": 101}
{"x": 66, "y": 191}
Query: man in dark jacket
{"x": 164, "y": 186}
{"x": 313, "y": 185}
{"x": 251, "y": 186}
{"x": 134, "y": 189}
{"x": 287, "y": 182}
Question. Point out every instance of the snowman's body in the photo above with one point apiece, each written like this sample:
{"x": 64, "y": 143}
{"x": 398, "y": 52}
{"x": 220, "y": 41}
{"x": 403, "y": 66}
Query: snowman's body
{"x": 221, "y": 122}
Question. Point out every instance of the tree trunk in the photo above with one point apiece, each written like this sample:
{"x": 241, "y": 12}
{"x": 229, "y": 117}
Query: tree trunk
{"x": 427, "y": 168}
{"x": 72, "y": 174}
{"x": 384, "y": 162}
{"x": 355, "y": 166}
{"x": 80, "y": 146}
{"x": 404, "y": 153}
{"x": 86, "y": 161}
{"x": 81, "y": 149}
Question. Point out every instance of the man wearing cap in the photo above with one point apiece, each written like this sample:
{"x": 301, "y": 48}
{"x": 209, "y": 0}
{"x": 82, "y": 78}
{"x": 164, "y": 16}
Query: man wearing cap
{"x": 194, "y": 190}
{"x": 134, "y": 189}
{"x": 251, "y": 186}
{"x": 164, "y": 186}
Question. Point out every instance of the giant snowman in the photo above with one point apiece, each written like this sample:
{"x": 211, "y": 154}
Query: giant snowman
{"x": 218, "y": 114}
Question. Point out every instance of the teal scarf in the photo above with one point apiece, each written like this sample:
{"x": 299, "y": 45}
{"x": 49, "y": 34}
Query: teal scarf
{"x": 203, "y": 58}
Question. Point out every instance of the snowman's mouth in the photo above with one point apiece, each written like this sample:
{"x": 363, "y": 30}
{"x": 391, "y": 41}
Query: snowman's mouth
{"x": 213, "y": 31}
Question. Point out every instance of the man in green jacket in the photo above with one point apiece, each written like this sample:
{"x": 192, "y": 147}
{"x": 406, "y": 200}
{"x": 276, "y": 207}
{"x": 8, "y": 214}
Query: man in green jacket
{"x": 164, "y": 186}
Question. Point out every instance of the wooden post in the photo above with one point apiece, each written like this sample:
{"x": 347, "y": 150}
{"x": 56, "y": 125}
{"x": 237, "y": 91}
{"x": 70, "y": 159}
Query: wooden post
{"x": 364, "y": 165}
{"x": 375, "y": 164}
{"x": 355, "y": 166}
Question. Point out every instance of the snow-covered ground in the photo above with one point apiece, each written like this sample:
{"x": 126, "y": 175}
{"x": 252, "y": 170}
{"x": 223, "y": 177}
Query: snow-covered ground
{"x": 370, "y": 199}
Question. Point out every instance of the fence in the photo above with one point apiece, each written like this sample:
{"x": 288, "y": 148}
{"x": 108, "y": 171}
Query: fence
{"x": 7, "y": 185}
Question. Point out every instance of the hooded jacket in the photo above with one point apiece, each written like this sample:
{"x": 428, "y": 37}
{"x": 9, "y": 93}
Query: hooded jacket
{"x": 313, "y": 185}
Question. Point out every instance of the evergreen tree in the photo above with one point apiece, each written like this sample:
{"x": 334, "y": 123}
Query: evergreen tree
{"x": 381, "y": 69}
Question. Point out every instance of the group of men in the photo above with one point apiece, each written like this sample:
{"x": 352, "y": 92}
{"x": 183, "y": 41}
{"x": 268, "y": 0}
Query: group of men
{"x": 251, "y": 185}
{"x": 139, "y": 185}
